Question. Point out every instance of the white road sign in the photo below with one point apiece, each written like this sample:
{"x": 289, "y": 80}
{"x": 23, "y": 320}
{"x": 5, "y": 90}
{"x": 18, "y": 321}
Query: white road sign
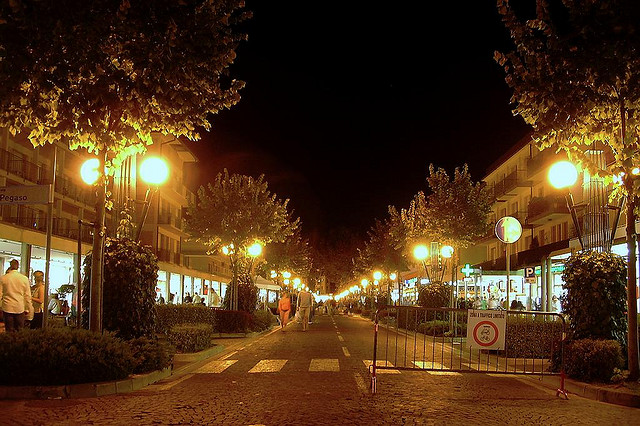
{"x": 26, "y": 194}
{"x": 486, "y": 329}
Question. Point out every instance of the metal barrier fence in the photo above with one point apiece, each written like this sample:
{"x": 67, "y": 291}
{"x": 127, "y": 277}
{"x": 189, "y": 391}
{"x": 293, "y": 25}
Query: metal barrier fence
{"x": 435, "y": 339}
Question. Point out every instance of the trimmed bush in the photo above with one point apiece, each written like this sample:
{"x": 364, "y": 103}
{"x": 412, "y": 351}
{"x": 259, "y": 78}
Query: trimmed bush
{"x": 592, "y": 360}
{"x": 59, "y": 356}
{"x": 190, "y": 337}
{"x": 150, "y": 354}
{"x": 169, "y": 316}
{"x": 232, "y": 321}
{"x": 262, "y": 320}
{"x": 441, "y": 328}
{"x": 130, "y": 277}
{"x": 527, "y": 337}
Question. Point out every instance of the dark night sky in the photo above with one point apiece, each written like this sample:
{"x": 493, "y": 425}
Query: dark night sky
{"x": 348, "y": 102}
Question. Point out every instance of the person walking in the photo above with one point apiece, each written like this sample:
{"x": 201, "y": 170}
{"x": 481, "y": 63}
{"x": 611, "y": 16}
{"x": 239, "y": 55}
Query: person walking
{"x": 305, "y": 301}
{"x": 284, "y": 307}
{"x": 15, "y": 294}
{"x": 37, "y": 299}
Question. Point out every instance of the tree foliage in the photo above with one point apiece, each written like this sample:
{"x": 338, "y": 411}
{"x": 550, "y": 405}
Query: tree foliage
{"x": 455, "y": 211}
{"x": 596, "y": 292}
{"x": 239, "y": 210}
{"x": 575, "y": 77}
{"x": 235, "y": 211}
{"x": 105, "y": 74}
{"x": 129, "y": 292}
{"x": 434, "y": 295}
{"x": 292, "y": 254}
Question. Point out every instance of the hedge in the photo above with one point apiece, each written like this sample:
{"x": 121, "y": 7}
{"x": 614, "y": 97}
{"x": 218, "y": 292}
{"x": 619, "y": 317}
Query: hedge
{"x": 528, "y": 337}
{"x": 191, "y": 337}
{"x": 592, "y": 360}
{"x": 59, "y": 356}
{"x": 220, "y": 320}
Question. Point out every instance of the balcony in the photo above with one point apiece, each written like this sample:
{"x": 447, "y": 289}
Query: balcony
{"x": 36, "y": 220}
{"x": 17, "y": 166}
{"x": 510, "y": 184}
{"x": 546, "y": 209}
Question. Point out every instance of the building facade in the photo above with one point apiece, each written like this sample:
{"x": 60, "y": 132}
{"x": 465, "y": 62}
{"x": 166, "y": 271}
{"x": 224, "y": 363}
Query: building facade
{"x": 185, "y": 267}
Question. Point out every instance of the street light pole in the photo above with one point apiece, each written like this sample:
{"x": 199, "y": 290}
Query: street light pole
{"x": 97, "y": 256}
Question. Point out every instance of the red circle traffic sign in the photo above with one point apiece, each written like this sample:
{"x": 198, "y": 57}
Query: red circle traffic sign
{"x": 495, "y": 333}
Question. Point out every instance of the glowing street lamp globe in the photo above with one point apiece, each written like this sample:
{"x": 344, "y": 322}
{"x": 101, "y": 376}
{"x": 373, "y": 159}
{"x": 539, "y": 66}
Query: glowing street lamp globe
{"x": 563, "y": 174}
{"x": 446, "y": 251}
{"x": 364, "y": 283}
{"x": 89, "y": 171}
{"x": 154, "y": 170}
{"x": 254, "y": 249}
{"x": 377, "y": 275}
{"x": 420, "y": 252}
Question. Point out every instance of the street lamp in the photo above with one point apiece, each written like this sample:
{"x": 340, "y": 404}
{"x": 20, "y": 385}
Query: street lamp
{"x": 154, "y": 171}
{"x": 94, "y": 173}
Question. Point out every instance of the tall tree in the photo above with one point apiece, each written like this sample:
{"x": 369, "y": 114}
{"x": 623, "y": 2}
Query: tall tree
{"x": 235, "y": 212}
{"x": 575, "y": 77}
{"x": 292, "y": 255}
{"x": 104, "y": 75}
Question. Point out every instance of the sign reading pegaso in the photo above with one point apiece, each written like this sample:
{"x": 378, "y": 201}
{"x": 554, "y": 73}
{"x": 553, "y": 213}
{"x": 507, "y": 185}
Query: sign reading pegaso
{"x": 508, "y": 229}
{"x": 26, "y": 194}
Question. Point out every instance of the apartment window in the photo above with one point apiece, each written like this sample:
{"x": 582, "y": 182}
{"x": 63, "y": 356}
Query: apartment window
{"x": 493, "y": 253}
{"x": 565, "y": 230}
{"x": 541, "y": 237}
{"x": 514, "y": 208}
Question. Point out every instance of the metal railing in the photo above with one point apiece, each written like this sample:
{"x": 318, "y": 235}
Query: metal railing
{"x": 435, "y": 339}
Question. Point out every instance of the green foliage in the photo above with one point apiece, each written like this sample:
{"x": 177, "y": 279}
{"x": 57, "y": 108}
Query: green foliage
{"x": 60, "y": 356}
{"x": 440, "y": 328}
{"x": 221, "y": 321}
{"x": 233, "y": 321}
{"x": 236, "y": 211}
{"x": 262, "y": 320}
{"x": 247, "y": 294}
{"x": 592, "y": 360}
{"x": 528, "y": 337}
{"x": 571, "y": 100}
{"x": 130, "y": 275}
{"x": 191, "y": 337}
{"x": 596, "y": 292}
{"x": 104, "y": 75}
{"x": 150, "y": 354}
{"x": 434, "y": 295}
{"x": 169, "y": 316}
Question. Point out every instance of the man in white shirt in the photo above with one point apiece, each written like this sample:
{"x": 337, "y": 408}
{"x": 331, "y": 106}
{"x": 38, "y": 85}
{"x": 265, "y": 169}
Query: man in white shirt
{"x": 15, "y": 294}
{"x": 305, "y": 302}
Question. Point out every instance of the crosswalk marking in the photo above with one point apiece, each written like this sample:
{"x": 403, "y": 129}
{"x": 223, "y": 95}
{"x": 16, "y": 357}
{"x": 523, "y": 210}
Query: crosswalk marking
{"x": 216, "y": 366}
{"x": 380, "y": 363}
{"x": 268, "y": 366}
{"x": 324, "y": 364}
{"x": 430, "y": 364}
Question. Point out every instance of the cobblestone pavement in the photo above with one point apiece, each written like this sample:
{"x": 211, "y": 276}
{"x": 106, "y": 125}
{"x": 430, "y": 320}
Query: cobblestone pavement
{"x": 320, "y": 377}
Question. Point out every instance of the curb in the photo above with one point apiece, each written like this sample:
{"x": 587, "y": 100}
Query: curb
{"x": 84, "y": 390}
{"x": 593, "y": 392}
{"x": 197, "y": 356}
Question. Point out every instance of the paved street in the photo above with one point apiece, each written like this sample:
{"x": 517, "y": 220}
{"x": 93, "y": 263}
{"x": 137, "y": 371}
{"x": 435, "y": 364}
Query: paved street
{"x": 320, "y": 377}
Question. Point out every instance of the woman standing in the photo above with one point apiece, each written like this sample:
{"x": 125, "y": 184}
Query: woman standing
{"x": 284, "y": 307}
{"x": 37, "y": 299}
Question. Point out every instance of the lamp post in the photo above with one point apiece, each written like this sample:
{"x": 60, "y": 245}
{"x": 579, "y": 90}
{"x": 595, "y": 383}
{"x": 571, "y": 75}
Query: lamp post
{"x": 598, "y": 235}
{"x": 154, "y": 171}
{"x": 93, "y": 173}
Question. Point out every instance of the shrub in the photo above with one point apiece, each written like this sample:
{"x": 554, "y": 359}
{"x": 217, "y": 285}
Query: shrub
{"x": 434, "y": 295}
{"x": 191, "y": 337}
{"x": 528, "y": 337}
{"x": 60, "y": 356}
{"x": 130, "y": 276}
{"x": 596, "y": 296}
{"x": 441, "y": 328}
{"x": 592, "y": 360}
{"x": 262, "y": 320}
{"x": 150, "y": 354}
{"x": 232, "y": 321}
{"x": 169, "y": 316}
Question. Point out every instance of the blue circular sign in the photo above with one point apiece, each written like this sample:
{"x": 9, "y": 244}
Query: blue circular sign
{"x": 508, "y": 229}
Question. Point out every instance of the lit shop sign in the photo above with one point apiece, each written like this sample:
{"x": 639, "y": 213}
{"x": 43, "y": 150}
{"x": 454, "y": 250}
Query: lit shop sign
{"x": 26, "y": 194}
{"x": 555, "y": 269}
